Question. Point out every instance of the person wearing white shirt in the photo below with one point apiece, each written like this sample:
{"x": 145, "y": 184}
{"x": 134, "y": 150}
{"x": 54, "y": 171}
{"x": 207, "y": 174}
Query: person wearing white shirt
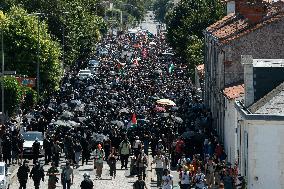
{"x": 199, "y": 179}
{"x": 167, "y": 180}
{"x": 185, "y": 179}
{"x": 159, "y": 160}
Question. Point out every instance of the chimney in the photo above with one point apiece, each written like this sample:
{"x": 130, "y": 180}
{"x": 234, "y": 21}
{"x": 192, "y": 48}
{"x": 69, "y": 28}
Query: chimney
{"x": 247, "y": 62}
{"x": 254, "y": 11}
{"x": 231, "y": 6}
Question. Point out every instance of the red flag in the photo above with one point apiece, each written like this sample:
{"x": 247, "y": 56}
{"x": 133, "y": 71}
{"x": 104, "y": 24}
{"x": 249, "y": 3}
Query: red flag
{"x": 133, "y": 119}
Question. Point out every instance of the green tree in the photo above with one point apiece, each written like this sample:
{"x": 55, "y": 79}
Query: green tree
{"x": 13, "y": 95}
{"x": 185, "y": 24}
{"x": 82, "y": 27}
{"x": 21, "y": 42}
{"x": 29, "y": 98}
{"x": 161, "y": 8}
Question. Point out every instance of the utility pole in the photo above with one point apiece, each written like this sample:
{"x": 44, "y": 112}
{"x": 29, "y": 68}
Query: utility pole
{"x": 38, "y": 14}
{"x": 3, "y": 66}
{"x": 63, "y": 39}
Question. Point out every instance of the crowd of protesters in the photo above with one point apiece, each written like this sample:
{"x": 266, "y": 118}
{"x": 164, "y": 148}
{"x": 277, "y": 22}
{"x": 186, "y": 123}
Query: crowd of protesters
{"x": 116, "y": 115}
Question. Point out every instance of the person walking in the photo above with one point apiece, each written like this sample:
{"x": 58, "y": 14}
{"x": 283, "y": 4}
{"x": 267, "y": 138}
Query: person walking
{"x": 98, "y": 161}
{"x": 112, "y": 162}
{"x": 36, "y": 148}
{"x": 23, "y": 174}
{"x": 199, "y": 179}
{"x": 87, "y": 183}
{"x": 141, "y": 164}
{"x": 37, "y": 174}
{"x": 185, "y": 178}
{"x": 56, "y": 149}
{"x": 52, "y": 173}
{"x": 140, "y": 183}
{"x": 77, "y": 150}
{"x": 167, "y": 180}
{"x": 85, "y": 151}
{"x": 47, "y": 146}
{"x": 124, "y": 151}
{"x": 67, "y": 176}
{"x": 159, "y": 160}
{"x": 209, "y": 171}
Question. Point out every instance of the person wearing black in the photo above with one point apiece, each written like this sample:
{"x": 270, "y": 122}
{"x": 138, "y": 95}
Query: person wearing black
{"x": 36, "y": 148}
{"x": 85, "y": 151}
{"x": 37, "y": 174}
{"x": 6, "y": 149}
{"x": 23, "y": 174}
{"x": 139, "y": 184}
{"x": 47, "y": 144}
{"x": 87, "y": 183}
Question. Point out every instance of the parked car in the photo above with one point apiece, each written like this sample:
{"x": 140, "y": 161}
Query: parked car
{"x": 84, "y": 74}
{"x": 29, "y": 138}
{"x": 94, "y": 63}
{"x": 4, "y": 176}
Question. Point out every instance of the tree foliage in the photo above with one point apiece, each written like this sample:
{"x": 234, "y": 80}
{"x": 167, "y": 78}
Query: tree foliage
{"x": 82, "y": 27}
{"x": 185, "y": 24}
{"x": 29, "y": 98}
{"x": 21, "y": 39}
{"x": 13, "y": 95}
{"x": 161, "y": 8}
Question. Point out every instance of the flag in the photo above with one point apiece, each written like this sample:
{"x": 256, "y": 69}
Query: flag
{"x": 171, "y": 68}
{"x": 133, "y": 120}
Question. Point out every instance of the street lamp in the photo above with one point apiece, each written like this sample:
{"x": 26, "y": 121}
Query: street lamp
{"x": 63, "y": 39}
{"x": 3, "y": 64}
{"x": 38, "y": 14}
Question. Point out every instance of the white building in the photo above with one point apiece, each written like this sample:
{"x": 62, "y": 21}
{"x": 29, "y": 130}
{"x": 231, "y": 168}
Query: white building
{"x": 231, "y": 94}
{"x": 260, "y": 124}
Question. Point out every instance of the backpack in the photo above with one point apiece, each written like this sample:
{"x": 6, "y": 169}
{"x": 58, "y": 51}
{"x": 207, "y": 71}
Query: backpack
{"x": 139, "y": 184}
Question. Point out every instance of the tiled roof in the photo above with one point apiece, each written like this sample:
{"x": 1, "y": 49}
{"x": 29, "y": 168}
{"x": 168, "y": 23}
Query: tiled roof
{"x": 234, "y": 92}
{"x": 271, "y": 104}
{"x": 234, "y": 25}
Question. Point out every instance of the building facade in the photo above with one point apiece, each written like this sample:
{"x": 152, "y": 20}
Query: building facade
{"x": 250, "y": 29}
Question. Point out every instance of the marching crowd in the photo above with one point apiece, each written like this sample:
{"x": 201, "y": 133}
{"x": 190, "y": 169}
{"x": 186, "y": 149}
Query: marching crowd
{"x": 139, "y": 101}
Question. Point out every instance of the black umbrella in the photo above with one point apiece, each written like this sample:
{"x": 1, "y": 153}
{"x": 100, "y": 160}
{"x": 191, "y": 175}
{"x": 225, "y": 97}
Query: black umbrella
{"x": 67, "y": 114}
{"x": 90, "y": 88}
{"x": 118, "y": 123}
{"x": 177, "y": 119}
{"x": 124, "y": 110}
{"x": 164, "y": 114}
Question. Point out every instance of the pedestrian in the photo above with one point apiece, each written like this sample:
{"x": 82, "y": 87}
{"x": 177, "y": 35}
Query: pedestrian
{"x": 141, "y": 164}
{"x": 159, "y": 160}
{"x": 15, "y": 149}
{"x": 210, "y": 168}
{"x": 56, "y": 149}
{"x": 167, "y": 180}
{"x": 52, "y": 179}
{"x": 37, "y": 174}
{"x": 23, "y": 174}
{"x": 77, "y": 150}
{"x": 136, "y": 146}
{"x": 67, "y": 176}
{"x": 140, "y": 183}
{"x": 112, "y": 162}
{"x": 47, "y": 146}
{"x": 199, "y": 179}
{"x": 98, "y": 161}
{"x": 185, "y": 178}
{"x": 85, "y": 151}
{"x": 124, "y": 151}
{"x": 87, "y": 183}
{"x": 36, "y": 148}
{"x": 6, "y": 149}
